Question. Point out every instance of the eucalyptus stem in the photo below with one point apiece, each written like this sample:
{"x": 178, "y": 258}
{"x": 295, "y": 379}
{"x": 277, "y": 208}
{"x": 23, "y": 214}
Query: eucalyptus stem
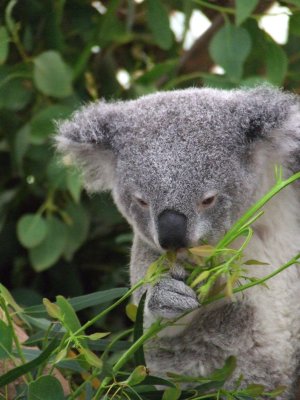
{"x": 118, "y": 337}
{"x": 153, "y": 330}
{"x": 294, "y": 260}
{"x": 77, "y": 392}
{"x": 15, "y": 337}
{"x": 108, "y": 309}
{"x": 280, "y": 184}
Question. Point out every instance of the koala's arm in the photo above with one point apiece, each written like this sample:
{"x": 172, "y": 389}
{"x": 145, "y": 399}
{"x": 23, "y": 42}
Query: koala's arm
{"x": 170, "y": 297}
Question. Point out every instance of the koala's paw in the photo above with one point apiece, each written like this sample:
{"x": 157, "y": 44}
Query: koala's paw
{"x": 171, "y": 298}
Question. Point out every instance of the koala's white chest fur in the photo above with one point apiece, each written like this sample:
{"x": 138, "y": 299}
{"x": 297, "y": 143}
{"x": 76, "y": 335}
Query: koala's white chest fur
{"x": 276, "y": 241}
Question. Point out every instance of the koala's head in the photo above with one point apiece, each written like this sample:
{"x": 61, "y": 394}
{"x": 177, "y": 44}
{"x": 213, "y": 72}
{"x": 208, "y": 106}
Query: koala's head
{"x": 182, "y": 166}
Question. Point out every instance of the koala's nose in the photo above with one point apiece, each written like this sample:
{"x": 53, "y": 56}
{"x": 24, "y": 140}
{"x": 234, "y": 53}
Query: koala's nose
{"x": 172, "y": 230}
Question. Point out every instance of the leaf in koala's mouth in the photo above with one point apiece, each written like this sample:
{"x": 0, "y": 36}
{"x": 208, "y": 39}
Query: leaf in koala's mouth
{"x": 202, "y": 251}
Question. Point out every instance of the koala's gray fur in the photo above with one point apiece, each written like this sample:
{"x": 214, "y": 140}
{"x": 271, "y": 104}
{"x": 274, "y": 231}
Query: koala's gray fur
{"x": 172, "y": 149}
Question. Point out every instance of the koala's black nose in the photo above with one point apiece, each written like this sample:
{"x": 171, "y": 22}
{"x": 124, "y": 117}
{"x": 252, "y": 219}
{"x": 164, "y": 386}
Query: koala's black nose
{"x": 172, "y": 230}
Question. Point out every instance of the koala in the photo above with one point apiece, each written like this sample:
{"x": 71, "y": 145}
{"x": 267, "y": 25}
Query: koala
{"x": 182, "y": 167}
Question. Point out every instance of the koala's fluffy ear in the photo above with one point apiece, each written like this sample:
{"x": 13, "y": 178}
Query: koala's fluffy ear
{"x": 266, "y": 109}
{"x": 274, "y": 115}
{"x": 87, "y": 138}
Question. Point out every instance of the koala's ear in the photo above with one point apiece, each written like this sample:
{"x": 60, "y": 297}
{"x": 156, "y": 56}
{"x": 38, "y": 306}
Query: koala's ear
{"x": 265, "y": 110}
{"x": 87, "y": 138}
{"x": 274, "y": 115}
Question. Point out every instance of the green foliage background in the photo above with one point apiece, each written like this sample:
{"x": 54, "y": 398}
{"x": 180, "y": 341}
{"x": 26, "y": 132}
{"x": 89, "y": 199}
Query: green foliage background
{"x": 56, "y": 55}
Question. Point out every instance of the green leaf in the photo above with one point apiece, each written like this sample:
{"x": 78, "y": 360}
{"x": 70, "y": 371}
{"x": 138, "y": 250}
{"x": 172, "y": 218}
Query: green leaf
{"x": 244, "y": 9}
{"x": 52, "y": 309}
{"x": 93, "y": 299}
{"x": 51, "y": 248}
{"x": 222, "y": 374}
{"x": 85, "y": 301}
{"x": 158, "y": 21}
{"x": 276, "y": 63}
{"x": 61, "y": 356}
{"x": 91, "y": 358}
{"x": 294, "y": 24}
{"x": 254, "y": 390}
{"x": 229, "y": 48}
{"x": 57, "y": 175}
{"x": 131, "y": 311}
{"x": 277, "y": 391}
{"x": 112, "y": 29}
{"x": 5, "y": 340}
{"x": 5, "y": 294}
{"x": 77, "y": 230}
{"x": 68, "y": 315}
{"x": 41, "y": 323}
{"x": 31, "y": 230}
{"x": 42, "y": 123}
{"x": 45, "y": 388}
{"x": 15, "y": 94}
{"x": 98, "y": 335}
{"x": 15, "y": 373}
{"x": 21, "y": 144}
{"x": 200, "y": 278}
{"x": 137, "y": 376}
{"x": 171, "y": 394}
{"x": 255, "y": 262}
{"x": 157, "y": 71}
{"x": 139, "y": 356}
{"x": 51, "y": 75}
{"x": 74, "y": 184}
{"x": 4, "y": 41}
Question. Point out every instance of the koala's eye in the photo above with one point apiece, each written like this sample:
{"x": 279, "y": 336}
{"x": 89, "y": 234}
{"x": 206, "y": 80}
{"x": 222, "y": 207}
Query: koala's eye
{"x": 142, "y": 203}
{"x": 209, "y": 200}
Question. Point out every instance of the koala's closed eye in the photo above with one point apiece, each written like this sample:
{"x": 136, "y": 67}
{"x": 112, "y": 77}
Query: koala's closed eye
{"x": 208, "y": 200}
{"x": 141, "y": 202}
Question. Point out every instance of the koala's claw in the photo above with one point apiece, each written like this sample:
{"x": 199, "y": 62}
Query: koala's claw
{"x": 170, "y": 298}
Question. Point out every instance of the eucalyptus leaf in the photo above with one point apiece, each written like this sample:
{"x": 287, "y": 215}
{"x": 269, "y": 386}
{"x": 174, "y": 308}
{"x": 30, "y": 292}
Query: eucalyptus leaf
{"x": 229, "y": 48}
{"x": 171, "y": 393}
{"x": 137, "y": 375}
{"x": 4, "y": 42}
{"x": 5, "y": 340}
{"x": 244, "y": 9}
{"x": 15, "y": 373}
{"x": 294, "y": 24}
{"x": 131, "y": 311}
{"x": 51, "y": 75}
{"x": 51, "y": 248}
{"x": 45, "y": 388}
{"x": 276, "y": 63}
{"x": 77, "y": 229}
{"x": 68, "y": 315}
{"x": 91, "y": 358}
{"x": 74, "y": 184}
{"x": 8, "y": 298}
{"x": 42, "y": 123}
{"x": 31, "y": 230}
{"x": 15, "y": 94}
{"x": 158, "y": 21}
{"x": 83, "y": 302}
